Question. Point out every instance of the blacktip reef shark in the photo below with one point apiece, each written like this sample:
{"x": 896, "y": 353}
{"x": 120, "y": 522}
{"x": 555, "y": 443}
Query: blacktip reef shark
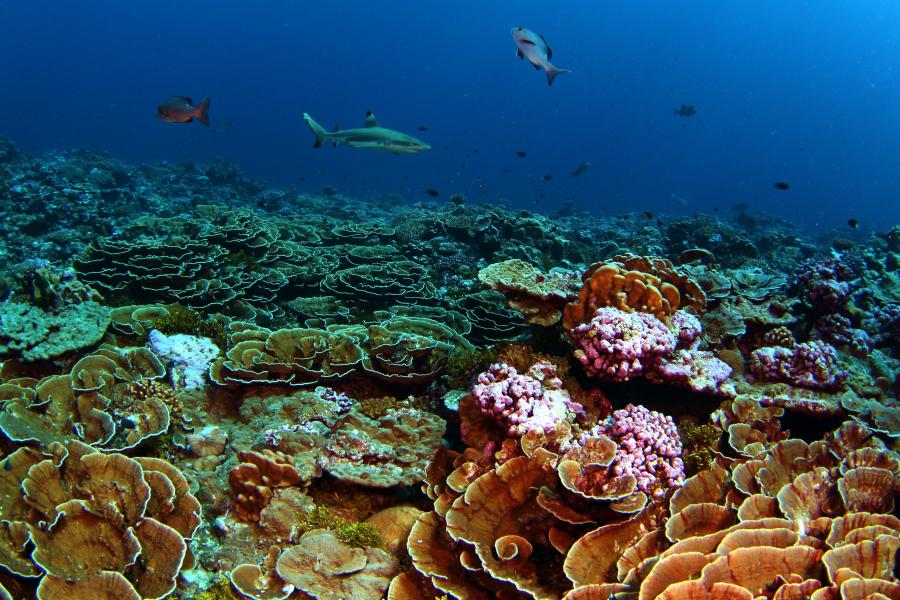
{"x": 371, "y": 137}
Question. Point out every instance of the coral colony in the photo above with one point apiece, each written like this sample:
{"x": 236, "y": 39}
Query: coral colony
{"x": 212, "y": 390}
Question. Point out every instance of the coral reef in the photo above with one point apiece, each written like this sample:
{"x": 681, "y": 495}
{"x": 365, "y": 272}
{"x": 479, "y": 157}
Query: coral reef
{"x": 214, "y": 390}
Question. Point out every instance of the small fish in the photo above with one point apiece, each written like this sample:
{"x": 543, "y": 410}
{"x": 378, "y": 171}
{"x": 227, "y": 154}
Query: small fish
{"x": 521, "y": 153}
{"x": 422, "y": 128}
{"x": 580, "y": 169}
{"x": 432, "y": 192}
{"x": 371, "y": 137}
{"x": 685, "y": 110}
{"x": 181, "y": 109}
{"x": 534, "y": 47}
{"x": 547, "y": 177}
{"x": 780, "y": 185}
{"x": 647, "y": 214}
{"x": 853, "y": 223}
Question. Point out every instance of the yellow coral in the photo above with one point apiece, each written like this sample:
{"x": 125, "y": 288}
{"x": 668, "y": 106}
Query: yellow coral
{"x": 144, "y": 389}
{"x": 220, "y": 590}
{"x": 375, "y": 408}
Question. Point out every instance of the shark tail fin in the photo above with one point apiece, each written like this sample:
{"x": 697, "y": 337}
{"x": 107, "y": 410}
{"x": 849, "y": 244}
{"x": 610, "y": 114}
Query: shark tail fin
{"x": 317, "y": 130}
{"x": 552, "y": 72}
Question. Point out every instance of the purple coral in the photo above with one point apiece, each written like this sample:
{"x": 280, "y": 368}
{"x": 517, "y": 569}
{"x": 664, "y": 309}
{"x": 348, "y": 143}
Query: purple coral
{"x": 688, "y": 329}
{"x": 837, "y": 329}
{"x": 648, "y": 447}
{"x": 827, "y": 284}
{"x": 698, "y": 370}
{"x": 616, "y": 345}
{"x": 523, "y": 403}
{"x": 811, "y": 365}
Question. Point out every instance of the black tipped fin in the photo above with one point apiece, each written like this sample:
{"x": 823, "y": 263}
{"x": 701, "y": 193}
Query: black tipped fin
{"x": 317, "y": 144}
{"x": 519, "y": 54}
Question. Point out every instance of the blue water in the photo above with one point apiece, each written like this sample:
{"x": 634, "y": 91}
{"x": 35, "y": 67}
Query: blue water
{"x": 803, "y": 92}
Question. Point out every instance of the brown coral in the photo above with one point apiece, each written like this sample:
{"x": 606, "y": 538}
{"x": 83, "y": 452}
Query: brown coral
{"x": 101, "y": 523}
{"x": 324, "y": 567}
{"x": 634, "y": 283}
{"x": 539, "y": 296}
{"x": 254, "y": 480}
{"x": 292, "y": 357}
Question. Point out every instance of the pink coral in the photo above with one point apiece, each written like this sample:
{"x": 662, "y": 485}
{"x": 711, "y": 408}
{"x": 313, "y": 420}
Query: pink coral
{"x": 649, "y": 448}
{"x": 522, "y": 403}
{"x": 812, "y": 365}
{"x": 616, "y": 345}
{"x": 688, "y": 329}
{"x": 698, "y": 370}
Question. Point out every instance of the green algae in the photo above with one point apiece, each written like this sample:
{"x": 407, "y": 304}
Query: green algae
{"x": 191, "y": 322}
{"x": 699, "y": 443}
{"x": 358, "y": 535}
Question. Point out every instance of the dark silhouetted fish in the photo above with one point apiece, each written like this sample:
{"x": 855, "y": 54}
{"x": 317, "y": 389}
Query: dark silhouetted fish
{"x": 853, "y": 223}
{"x": 547, "y": 177}
{"x": 780, "y": 185}
{"x": 685, "y": 110}
{"x": 580, "y": 169}
{"x": 521, "y": 153}
{"x": 432, "y": 192}
{"x": 181, "y": 109}
{"x": 422, "y": 128}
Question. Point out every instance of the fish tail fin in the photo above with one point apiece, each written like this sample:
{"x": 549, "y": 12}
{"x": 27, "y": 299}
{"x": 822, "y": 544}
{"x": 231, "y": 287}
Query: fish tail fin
{"x": 552, "y": 72}
{"x": 317, "y": 130}
{"x": 202, "y": 112}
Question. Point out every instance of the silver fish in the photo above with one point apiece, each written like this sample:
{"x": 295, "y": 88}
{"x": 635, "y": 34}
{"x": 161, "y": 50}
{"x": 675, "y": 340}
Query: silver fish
{"x": 535, "y": 48}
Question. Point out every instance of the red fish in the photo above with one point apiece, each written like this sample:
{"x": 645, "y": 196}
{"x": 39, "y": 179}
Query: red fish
{"x": 181, "y": 109}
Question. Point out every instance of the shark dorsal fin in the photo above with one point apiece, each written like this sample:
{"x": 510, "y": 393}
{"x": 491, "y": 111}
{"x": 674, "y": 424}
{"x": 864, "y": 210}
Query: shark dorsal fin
{"x": 370, "y": 120}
